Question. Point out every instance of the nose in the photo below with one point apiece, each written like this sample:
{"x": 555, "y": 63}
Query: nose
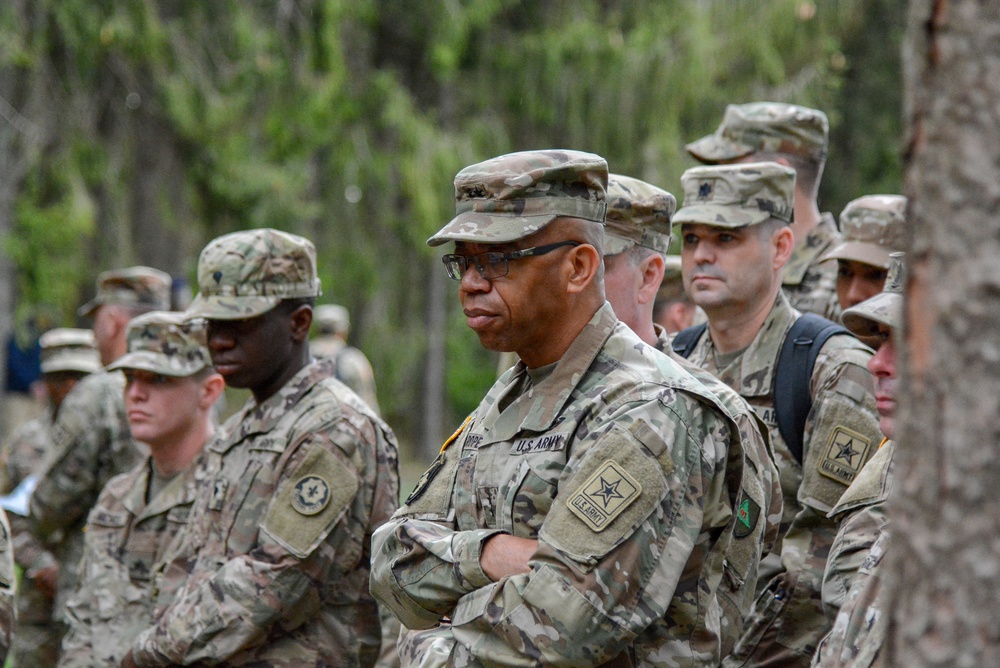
{"x": 883, "y": 362}
{"x": 219, "y": 336}
{"x": 855, "y": 291}
{"x": 473, "y": 281}
{"x": 135, "y": 390}
{"x": 700, "y": 252}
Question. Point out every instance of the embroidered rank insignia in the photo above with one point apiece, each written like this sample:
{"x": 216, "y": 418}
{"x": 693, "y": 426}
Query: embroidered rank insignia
{"x": 844, "y": 456}
{"x": 605, "y": 495}
{"x": 219, "y": 489}
{"x": 747, "y": 514}
{"x": 311, "y": 496}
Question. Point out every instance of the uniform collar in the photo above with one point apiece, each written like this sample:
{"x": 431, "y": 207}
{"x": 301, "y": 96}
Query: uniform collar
{"x": 817, "y": 242}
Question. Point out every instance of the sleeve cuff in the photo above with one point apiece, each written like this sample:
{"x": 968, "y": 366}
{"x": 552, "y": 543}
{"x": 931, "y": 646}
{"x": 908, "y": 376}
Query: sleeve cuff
{"x": 467, "y": 547}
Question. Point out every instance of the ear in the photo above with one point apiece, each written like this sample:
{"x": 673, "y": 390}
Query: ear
{"x": 211, "y": 390}
{"x": 783, "y": 243}
{"x": 652, "y": 268}
{"x": 300, "y": 321}
{"x": 582, "y": 263}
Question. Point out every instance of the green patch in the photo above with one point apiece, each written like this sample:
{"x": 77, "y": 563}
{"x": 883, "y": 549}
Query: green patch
{"x": 747, "y": 515}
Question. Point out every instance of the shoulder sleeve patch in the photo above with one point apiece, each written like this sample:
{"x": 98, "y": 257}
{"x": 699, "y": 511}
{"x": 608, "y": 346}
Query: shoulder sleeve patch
{"x": 310, "y": 502}
{"x": 605, "y": 495}
{"x": 844, "y": 455}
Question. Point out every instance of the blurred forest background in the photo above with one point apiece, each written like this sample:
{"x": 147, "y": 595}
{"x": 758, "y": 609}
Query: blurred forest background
{"x": 133, "y": 131}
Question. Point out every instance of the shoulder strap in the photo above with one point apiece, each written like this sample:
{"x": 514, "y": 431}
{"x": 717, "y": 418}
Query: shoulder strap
{"x": 685, "y": 340}
{"x": 792, "y": 398}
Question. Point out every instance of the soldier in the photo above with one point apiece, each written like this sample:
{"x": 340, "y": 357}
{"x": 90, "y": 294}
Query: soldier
{"x": 796, "y": 137}
{"x": 735, "y": 240}
{"x": 170, "y": 389}
{"x": 673, "y": 309}
{"x": 852, "y": 580}
{"x": 272, "y": 568}
{"x": 637, "y": 236}
{"x": 352, "y": 367}
{"x": 873, "y": 226}
{"x": 67, "y": 356}
{"x": 91, "y": 442}
{"x": 583, "y": 513}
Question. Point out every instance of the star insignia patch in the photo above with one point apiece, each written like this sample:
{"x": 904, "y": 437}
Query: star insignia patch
{"x": 312, "y": 494}
{"x": 608, "y": 492}
{"x": 705, "y": 189}
{"x": 845, "y": 455}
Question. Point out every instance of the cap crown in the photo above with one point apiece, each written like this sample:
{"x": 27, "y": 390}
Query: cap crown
{"x": 876, "y": 219}
{"x": 245, "y": 274}
{"x": 885, "y": 308}
{"x": 638, "y": 213}
{"x": 65, "y": 349}
{"x": 134, "y": 286}
{"x": 165, "y": 343}
{"x": 737, "y": 195}
{"x": 512, "y": 196}
{"x": 771, "y": 127}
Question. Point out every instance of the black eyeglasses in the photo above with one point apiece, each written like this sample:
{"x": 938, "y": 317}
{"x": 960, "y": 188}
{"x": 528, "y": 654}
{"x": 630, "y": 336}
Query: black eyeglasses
{"x": 493, "y": 264}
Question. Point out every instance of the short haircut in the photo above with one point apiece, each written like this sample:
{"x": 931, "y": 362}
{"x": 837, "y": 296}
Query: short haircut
{"x": 766, "y": 230}
{"x": 807, "y": 172}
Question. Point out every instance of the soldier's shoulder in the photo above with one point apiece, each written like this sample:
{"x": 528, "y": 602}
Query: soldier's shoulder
{"x": 843, "y": 349}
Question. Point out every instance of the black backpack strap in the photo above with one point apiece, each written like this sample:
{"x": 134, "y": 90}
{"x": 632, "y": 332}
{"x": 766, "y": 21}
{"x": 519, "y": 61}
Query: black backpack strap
{"x": 792, "y": 399}
{"x": 685, "y": 340}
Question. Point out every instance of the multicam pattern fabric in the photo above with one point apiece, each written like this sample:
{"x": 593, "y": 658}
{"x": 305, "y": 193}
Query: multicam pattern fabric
{"x": 66, "y": 349}
{"x": 36, "y": 642}
{"x": 737, "y": 195}
{"x": 873, "y": 226}
{"x": 246, "y": 274}
{"x": 861, "y": 516}
{"x": 860, "y": 629}
{"x": 91, "y": 444}
{"x": 272, "y": 569}
{"x": 7, "y": 585}
{"x": 164, "y": 343}
{"x": 627, "y": 472}
{"x": 125, "y": 538}
{"x": 885, "y": 308}
{"x": 638, "y": 213}
{"x": 509, "y": 197}
{"x": 351, "y": 367}
{"x": 769, "y": 127}
{"x": 841, "y": 434}
{"x": 135, "y": 286}
{"x": 810, "y": 283}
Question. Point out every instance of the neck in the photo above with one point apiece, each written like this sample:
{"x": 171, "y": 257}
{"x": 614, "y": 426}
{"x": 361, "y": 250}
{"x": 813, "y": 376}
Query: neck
{"x": 735, "y": 329}
{"x": 562, "y": 337}
{"x": 807, "y": 217}
{"x": 176, "y": 454}
{"x": 270, "y": 387}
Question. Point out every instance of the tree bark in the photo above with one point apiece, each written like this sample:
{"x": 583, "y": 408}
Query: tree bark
{"x": 943, "y": 566}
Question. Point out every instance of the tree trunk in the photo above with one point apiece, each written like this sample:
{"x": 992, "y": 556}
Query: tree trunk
{"x": 943, "y": 564}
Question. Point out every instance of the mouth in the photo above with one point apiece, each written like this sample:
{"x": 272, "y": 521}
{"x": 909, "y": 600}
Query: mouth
{"x": 477, "y": 318}
{"x": 223, "y": 367}
{"x": 885, "y": 405}
{"x": 136, "y": 416}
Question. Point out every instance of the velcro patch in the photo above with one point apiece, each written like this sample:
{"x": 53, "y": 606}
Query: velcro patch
{"x": 844, "y": 455}
{"x": 426, "y": 479}
{"x": 546, "y": 443}
{"x": 604, "y": 496}
{"x": 287, "y": 523}
{"x": 747, "y": 515}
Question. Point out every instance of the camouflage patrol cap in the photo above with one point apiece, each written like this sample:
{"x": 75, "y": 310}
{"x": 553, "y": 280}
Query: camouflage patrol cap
{"x": 507, "y": 198}
{"x": 885, "y": 308}
{"x": 332, "y": 318}
{"x": 873, "y": 226}
{"x": 65, "y": 349}
{"x": 737, "y": 195}
{"x": 166, "y": 343}
{"x": 246, "y": 274}
{"x": 134, "y": 286}
{"x": 638, "y": 213}
{"x": 770, "y": 127}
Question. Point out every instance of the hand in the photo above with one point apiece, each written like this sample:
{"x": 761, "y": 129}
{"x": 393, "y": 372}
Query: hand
{"x": 47, "y": 580}
{"x": 128, "y": 661}
{"x": 504, "y": 555}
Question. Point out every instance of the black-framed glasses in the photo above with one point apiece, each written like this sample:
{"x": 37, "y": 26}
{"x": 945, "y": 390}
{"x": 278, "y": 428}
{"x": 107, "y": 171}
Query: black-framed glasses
{"x": 493, "y": 264}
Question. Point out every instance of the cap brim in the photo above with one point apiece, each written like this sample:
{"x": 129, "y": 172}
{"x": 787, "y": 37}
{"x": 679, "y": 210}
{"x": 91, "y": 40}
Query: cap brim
{"x": 144, "y": 360}
{"x": 70, "y": 364}
{"x": 87, "y": 310}
{"x": 484, "y": 228}
{"x": 859, "y": 251}
{"x": 714, "y": 149}
{"x": 229, "y": 308}
{"x": 863, "y": 319}
{"x": 719, "y": 215}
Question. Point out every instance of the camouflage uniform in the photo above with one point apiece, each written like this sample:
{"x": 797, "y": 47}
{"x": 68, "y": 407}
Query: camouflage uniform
{"x": 776, "y": 128}
{"x": 650, "y": 515}
{"x": 841, "y": 430}
{"x": 36, "y": 642}
{"x": 352, "y": 367}
{"x": 7, "y": 612}
{"x": 272, "y": 568}
{"x": 873, "y": 226}
{"x": 128, "y": 531}
{"x": 91, "y": 442}
{"x": 852, "y": 581}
